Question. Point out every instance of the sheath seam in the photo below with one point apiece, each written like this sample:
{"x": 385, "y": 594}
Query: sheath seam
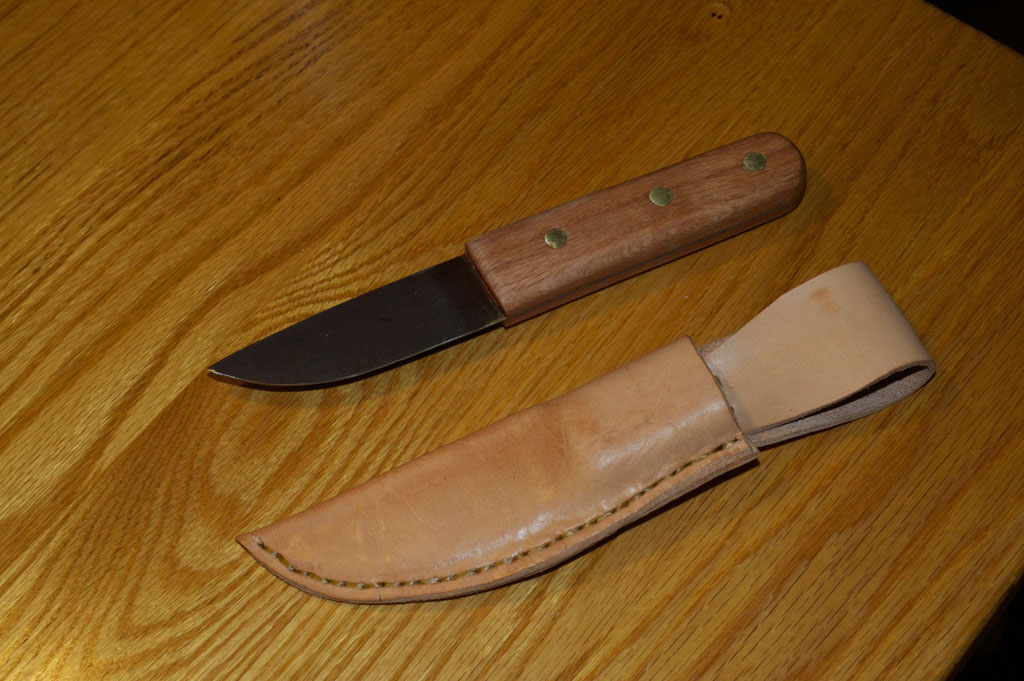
{"x": 497, "y": 563}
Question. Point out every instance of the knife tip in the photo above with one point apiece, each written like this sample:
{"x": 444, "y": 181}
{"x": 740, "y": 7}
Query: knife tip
{"x": 217, "y": 370}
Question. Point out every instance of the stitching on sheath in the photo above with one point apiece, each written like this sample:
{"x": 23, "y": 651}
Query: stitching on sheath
{"x": 498, "y": 563}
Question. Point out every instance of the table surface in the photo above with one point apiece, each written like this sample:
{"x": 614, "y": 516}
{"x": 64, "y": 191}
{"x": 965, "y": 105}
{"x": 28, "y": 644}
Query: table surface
{"x": 181, "y": 179}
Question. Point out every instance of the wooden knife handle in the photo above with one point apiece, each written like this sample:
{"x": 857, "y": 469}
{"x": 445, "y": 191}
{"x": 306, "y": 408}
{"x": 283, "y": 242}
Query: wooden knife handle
{"x": 617, "y": 232}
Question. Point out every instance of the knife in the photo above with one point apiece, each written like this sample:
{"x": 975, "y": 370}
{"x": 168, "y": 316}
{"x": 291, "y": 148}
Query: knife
{"x": 532, "y": 265}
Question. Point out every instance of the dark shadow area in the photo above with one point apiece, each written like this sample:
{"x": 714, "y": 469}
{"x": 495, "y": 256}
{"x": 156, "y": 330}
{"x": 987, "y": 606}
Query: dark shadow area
{"x": 998, "y": 652}
{"x": 1002, "y": 20}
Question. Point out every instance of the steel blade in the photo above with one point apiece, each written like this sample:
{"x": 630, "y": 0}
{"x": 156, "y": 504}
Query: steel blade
{"x": 382, "y": 327}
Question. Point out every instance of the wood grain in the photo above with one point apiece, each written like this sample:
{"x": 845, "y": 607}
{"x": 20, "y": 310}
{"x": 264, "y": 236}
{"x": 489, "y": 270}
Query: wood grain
{"x": 180, "y": 179}
{"x": 618, "y": 232}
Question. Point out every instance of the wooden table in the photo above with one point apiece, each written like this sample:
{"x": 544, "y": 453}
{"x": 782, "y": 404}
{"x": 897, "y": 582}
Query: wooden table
{"x": 181, "y": 179}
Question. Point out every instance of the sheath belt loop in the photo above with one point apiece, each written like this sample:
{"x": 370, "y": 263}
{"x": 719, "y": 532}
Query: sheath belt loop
{"x": 829, "y": 351}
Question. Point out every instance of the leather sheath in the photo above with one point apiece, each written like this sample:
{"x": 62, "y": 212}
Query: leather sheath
{"x": 533, "y": 489}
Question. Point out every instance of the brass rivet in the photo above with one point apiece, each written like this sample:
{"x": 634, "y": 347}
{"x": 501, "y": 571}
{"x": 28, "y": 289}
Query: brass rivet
{"x": 755, "y": 160}
{"x": 661, "y": 196}
{"x": 556, "y": 238}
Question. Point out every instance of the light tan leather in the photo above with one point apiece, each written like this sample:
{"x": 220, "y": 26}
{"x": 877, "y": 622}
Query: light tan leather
{"x": 531, "y": 490}
{"x": 518, "y": 496}
{"x": 829, "y": 351}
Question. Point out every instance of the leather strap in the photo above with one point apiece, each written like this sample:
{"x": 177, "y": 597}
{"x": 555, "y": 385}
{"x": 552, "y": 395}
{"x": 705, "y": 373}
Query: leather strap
{"x": 829, "y": 351}
{"x": 531, "y": 490}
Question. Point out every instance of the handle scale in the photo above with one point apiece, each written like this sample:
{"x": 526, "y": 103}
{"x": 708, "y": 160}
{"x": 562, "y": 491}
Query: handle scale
{"x": 620, "y": 231}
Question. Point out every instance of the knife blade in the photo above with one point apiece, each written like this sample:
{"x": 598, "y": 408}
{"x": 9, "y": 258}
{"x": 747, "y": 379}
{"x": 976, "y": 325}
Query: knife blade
{"x": 530, "y": 266}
